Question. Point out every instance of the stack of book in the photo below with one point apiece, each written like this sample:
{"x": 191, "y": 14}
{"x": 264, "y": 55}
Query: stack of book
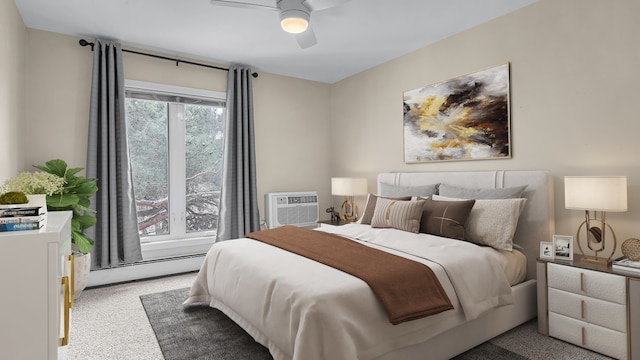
{"x": 22, "y": 218}
{"x": 624, "y": 265}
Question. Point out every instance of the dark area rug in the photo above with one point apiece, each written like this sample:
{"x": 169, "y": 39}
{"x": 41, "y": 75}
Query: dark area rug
{"x": 201, "y": 332}
{"x": 489, "y": 351}
{"x": 197, "y": 331}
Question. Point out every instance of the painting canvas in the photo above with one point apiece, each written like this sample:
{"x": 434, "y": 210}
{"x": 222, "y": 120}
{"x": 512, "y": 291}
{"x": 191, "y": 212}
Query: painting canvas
{"x": 465, "y": 118}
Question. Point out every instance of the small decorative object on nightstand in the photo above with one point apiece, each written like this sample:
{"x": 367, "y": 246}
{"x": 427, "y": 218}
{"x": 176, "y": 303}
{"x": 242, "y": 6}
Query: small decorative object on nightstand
{"x": 348, "y": 187}
{"x": 599, "y": 194}
{"x": 546, "y": 251}
{"x": 563, "y": 247}
{"x": 626, "y": 266}
{"x": 631, "y": 249}
{"x": 335, "y": 216}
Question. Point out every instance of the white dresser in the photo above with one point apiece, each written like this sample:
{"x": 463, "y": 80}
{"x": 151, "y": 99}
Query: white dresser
{"x": 586, "y": 304}
{"x": 36, "y": 272}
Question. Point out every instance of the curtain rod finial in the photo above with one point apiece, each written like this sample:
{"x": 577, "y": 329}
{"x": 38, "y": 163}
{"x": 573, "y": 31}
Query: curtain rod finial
{"x": 84, "y": 42}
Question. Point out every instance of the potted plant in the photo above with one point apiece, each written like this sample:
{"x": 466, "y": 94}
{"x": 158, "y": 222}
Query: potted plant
{"x": 76, "y": 196}
{"x": 64, "y": 190}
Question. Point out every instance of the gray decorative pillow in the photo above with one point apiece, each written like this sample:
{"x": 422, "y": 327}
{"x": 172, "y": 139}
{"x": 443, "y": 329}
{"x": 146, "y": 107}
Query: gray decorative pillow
{"x": 478, "y": 193}
{"x": 402, "y": 190}
{"x": 397, "y": 214}
{"x": 445, "y": 218}
{"x": 492, "y": 222}
{"x": 371, "y": 207}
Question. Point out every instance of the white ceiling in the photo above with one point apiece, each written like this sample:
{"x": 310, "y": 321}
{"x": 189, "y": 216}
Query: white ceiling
{"x": 351, "y": 37}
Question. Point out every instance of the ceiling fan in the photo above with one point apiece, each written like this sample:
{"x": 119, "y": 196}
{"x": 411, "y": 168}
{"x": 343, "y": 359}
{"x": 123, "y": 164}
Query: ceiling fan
{"x": 294, "y": 15}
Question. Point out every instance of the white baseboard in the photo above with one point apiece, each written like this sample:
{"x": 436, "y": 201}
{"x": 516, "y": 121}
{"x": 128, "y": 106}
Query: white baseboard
{"x": 145, "y": 269}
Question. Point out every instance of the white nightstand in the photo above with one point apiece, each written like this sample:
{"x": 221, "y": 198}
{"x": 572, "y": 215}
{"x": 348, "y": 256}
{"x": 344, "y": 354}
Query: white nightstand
{"x": 587, "y": 304}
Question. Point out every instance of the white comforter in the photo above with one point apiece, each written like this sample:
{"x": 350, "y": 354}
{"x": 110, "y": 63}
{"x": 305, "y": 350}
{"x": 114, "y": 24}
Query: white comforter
{"x": 301, "y": 309}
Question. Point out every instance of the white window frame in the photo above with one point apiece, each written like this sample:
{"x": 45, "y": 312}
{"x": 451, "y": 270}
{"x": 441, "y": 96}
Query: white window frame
{"x": 163, "y": 246}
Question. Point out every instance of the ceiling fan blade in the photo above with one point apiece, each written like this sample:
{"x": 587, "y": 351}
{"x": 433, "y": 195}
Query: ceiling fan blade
{"x": 242, "y": 4}
{"x": 316, "y": 5}
{"x": 307, "y": 38}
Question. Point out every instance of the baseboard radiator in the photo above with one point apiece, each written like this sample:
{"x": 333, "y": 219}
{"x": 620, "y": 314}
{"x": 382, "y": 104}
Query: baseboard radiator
{"x": 146, "y": 269}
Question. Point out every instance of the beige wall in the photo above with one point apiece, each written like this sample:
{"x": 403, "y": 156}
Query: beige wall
{"x": 292, "y": 130}
{"x": 573, "y": 70}
{"x": 12, "y": 71}
{"x": 292, "y": 136}
{"x": 58, "y": 84}
{"x": 574, "y": 74}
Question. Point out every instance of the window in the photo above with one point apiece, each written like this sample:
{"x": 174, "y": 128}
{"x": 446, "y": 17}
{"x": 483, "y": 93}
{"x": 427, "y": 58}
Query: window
{"x": 176, "y": 140}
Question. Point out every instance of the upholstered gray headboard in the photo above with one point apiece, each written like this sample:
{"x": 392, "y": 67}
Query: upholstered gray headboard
{"x": 536, "y": 222}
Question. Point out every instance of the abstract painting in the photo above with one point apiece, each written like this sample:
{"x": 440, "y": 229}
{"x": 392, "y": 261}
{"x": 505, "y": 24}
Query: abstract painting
{"x": 465, "y": 118}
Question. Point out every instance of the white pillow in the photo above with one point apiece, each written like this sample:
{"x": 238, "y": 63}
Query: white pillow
{"x": 492, "y": 222}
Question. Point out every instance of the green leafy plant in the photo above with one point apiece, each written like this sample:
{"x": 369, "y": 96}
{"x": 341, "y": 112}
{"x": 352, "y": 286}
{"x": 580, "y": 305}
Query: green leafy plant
{"x": 75, "y": 195}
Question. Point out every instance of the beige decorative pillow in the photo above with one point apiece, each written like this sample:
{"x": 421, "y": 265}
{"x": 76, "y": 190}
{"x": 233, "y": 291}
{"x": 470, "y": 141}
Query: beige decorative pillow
{"x": 370, "y": 207}
{"x": 492, "y": 222}
{"x": 398, "y": 214}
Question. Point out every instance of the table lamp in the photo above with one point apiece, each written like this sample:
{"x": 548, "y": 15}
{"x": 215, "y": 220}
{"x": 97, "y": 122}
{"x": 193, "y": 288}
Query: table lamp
{"x": 348, "y": 187}
{"x": 596, "y": 195}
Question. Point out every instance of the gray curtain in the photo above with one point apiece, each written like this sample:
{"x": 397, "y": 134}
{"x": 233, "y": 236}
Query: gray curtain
{"x": 239, "y": 199}
{"x": 116, "y": 233}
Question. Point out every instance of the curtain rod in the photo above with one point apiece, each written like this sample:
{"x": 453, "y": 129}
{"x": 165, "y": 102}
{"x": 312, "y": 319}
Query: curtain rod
{"x": 84, "y": 42}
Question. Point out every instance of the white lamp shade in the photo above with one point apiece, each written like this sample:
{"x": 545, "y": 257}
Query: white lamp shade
{"x": 343, "y": 186}
{"x": 597, "y": 193}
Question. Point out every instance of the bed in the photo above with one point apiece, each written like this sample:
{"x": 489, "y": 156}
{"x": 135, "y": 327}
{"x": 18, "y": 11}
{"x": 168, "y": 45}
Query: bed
{"x": 301, "y": 309}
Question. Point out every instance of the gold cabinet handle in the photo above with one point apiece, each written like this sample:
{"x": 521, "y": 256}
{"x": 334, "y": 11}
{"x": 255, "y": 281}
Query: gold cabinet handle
{"x": 72, "y": 280}
{"x": 581, "y": 281}
{"x": 65, "y": 285}
{"x": 583, "y": 342}
{"x": 582, "y": 309}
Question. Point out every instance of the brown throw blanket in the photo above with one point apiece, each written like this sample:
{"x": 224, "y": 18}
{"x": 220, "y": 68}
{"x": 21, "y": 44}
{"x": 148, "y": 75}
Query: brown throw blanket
{"x": 407, "y": 289}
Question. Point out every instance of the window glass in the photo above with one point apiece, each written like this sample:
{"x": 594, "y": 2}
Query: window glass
{"x": 176, "y": 142}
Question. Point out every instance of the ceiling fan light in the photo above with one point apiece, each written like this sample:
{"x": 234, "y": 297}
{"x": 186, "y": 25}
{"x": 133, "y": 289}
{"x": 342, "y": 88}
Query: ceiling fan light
{"x": 294, "y": 21}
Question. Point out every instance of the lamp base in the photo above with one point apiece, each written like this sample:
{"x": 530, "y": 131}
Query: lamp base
{"x": 595, "y": 240}
{"x": 597, "y": 259}
{"x": 349, "y": 210}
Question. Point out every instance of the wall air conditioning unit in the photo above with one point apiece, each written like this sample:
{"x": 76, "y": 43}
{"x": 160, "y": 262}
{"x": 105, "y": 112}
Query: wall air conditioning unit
{"x": 291, "y": 208}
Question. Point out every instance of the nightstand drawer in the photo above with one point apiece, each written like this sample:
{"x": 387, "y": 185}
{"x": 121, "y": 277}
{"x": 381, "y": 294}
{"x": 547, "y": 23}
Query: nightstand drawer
{"x": 603, "y": 286}
{"x": 593, "y": 311}
{"x": 605, "y": 341}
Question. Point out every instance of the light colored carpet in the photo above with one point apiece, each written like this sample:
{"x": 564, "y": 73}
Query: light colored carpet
{"x": 109, "y": 323}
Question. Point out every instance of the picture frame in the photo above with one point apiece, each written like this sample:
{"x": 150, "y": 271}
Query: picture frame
{"x": 464, "y": 118}
{"x": 563, "y": 247}
{"x": 547, "y": 251}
